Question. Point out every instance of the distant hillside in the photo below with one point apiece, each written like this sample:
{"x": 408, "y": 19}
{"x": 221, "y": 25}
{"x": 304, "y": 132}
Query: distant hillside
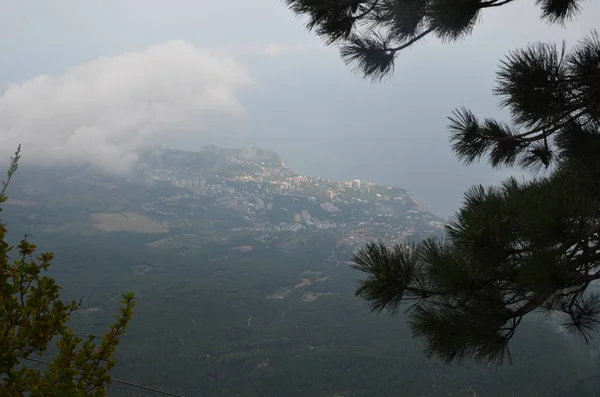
{"x": 212, "y": 159}
{"x": 243, "y": 287}
{"x": 221, "y": 191}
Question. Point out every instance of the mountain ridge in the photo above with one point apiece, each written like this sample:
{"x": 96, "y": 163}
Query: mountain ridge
{"x": 223, "y": 191}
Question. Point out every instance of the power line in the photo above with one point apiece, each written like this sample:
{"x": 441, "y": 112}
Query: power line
{"x": 123, "y": 382}
{"x": 128, "y": 392}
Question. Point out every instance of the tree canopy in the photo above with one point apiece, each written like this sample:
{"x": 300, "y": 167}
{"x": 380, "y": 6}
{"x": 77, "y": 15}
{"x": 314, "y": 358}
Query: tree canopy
{"x": 514, "y": 249}
{"x": 371, "y": 33}
{"x": 32, "y": 315}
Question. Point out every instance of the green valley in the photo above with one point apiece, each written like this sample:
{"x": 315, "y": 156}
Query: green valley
{"x": 241, "y": 273}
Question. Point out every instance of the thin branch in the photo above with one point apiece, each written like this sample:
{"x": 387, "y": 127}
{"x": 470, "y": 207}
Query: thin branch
{"x": 368, "y": 10}
{"x": 526, "y": 138}
{"x": 411, "y": 41}
{"x": 494, "y": 3}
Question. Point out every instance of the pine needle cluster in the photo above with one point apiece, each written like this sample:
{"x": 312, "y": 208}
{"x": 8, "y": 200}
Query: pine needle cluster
{"x": 514, "y": 249}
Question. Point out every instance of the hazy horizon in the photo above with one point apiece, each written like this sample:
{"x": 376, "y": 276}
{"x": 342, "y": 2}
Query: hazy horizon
{"x": 204, "y": 73}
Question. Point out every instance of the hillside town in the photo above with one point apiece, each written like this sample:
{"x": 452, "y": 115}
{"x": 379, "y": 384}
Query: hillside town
{"x": 272, "y": 199}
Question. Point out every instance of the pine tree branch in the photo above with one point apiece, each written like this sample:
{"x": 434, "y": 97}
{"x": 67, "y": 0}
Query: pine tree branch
{"x": 366, "y": 12}
{"x": 411, "y": 41}
{"x": 547, "y": 130}
{"x": 494, "y": 3}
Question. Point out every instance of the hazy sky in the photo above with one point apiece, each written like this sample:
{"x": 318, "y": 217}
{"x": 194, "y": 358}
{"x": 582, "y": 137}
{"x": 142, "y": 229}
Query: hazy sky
{"x": 98, "y": 80}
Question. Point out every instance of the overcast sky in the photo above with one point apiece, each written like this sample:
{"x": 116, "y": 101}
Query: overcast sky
{"x": 98, "y": 80}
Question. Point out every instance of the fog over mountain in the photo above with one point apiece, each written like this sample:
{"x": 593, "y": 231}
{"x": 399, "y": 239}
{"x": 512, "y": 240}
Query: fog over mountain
{"x": 304, "y": 103}
{"x": 104, "y": 111}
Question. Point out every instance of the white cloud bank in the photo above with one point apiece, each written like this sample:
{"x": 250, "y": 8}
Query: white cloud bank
{"x": 103, "y": 112}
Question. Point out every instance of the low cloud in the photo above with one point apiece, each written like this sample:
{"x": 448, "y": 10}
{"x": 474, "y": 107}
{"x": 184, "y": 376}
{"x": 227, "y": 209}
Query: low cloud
{"x": 105, "y": 111}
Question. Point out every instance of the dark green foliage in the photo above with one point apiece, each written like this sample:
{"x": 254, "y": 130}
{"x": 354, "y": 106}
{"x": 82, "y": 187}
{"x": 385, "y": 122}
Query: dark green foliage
{"x": 509, "y": 251}
{"x": 514, "y": 249}
{"x": 32, "y": 315}
{"x": 552, "y": 95}
{"x": 207, "y": 304}
{"x": 372, "y": 32}
{"x": 523, "y": 246}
